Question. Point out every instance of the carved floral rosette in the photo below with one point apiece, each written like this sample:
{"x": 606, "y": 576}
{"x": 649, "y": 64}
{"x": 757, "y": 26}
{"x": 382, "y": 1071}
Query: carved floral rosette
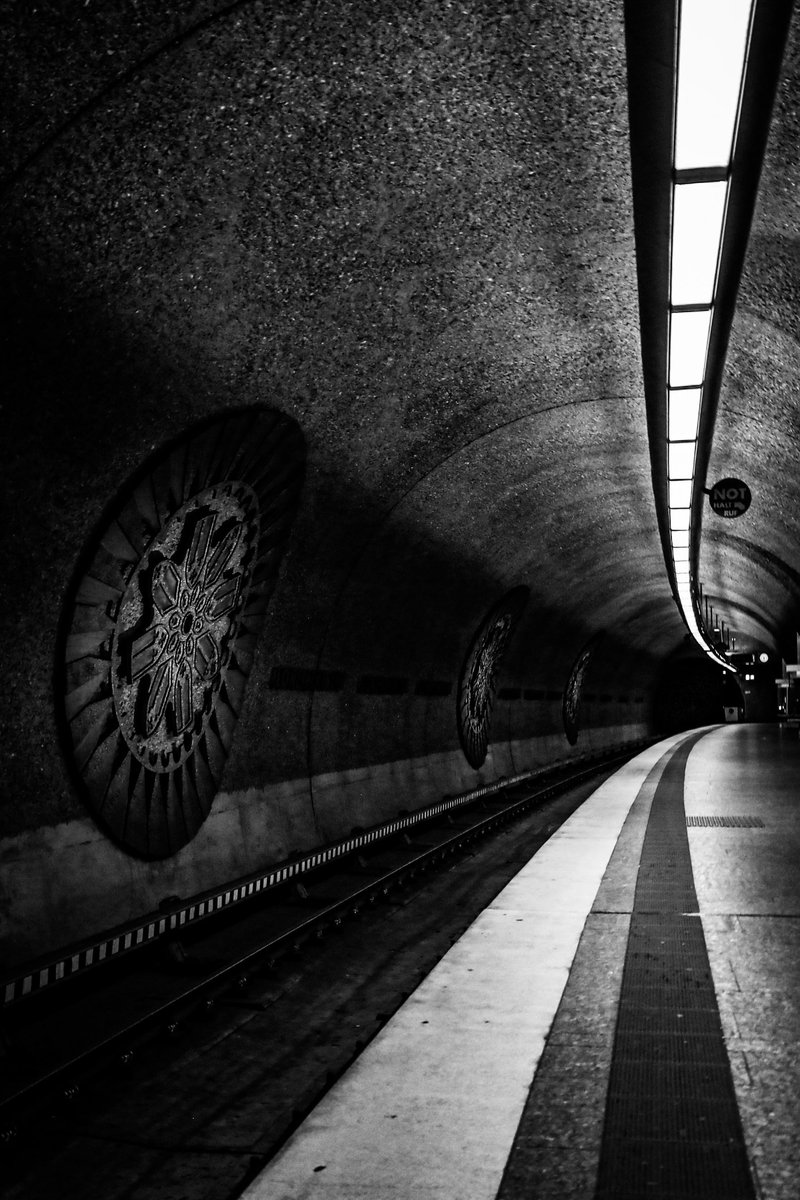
{"x": 160, "y": 627}
{"x": 570, "y": 708}
{"x": 478, "y": 681}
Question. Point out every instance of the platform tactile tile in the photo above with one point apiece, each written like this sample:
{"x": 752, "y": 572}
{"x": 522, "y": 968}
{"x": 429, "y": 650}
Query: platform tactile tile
{"x": 672, "y": 1128}
{"x": 724, "y": 822}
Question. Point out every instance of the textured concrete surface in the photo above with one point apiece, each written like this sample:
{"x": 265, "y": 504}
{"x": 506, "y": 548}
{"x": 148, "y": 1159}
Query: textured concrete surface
{"x": 99, "y": 886}
{"x": 356, "y": 216}
{"x": 746, "y": 883}
{"x": 556, "y": 1150}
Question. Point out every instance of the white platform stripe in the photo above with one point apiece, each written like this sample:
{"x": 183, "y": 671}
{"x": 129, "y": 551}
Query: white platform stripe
{"x": 24, "y": 984}
{"x": 430, "y": 1108}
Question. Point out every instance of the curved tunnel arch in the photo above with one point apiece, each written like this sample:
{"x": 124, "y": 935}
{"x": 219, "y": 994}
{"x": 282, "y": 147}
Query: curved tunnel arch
{"x": 410, "y": 230}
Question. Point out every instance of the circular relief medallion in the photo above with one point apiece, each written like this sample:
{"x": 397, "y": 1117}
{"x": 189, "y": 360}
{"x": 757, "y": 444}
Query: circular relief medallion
{"x": 159, "y": 630}
{"x": 177, "y": 619}
{"x": 478, "y": 682}
{"x": 572, "y": 692}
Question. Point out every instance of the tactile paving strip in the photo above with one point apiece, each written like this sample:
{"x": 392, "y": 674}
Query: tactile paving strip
{"x": 672, "y": 1126}
{"x": 678, "y": 1170}
{"x": 725, "y": 822}
{"x": 690, "y": 1119}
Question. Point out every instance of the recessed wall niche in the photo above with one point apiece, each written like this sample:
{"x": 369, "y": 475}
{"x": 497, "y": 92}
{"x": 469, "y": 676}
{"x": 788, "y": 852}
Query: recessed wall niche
{"x": 160, "y": 625}
{"x": 572, "y": 692}
{"x": 478, "y": 680}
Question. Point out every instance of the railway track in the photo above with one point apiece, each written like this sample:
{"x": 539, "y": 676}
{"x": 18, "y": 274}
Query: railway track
{"x": 61, "y": 1040}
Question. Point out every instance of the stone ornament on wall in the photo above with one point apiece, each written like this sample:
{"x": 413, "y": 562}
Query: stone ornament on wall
{"x": 572, "y": 692}
{"x": 160, "y": 627}
{"x": 478, "y": 681}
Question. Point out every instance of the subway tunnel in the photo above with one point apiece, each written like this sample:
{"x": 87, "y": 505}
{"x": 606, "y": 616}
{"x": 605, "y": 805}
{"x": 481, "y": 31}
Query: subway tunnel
{"x": 334, "y": 479}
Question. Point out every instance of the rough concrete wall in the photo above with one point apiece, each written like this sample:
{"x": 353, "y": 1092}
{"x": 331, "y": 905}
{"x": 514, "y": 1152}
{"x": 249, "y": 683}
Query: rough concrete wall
{"x": 97, "y": 886}
{"x": 354, "y": 214}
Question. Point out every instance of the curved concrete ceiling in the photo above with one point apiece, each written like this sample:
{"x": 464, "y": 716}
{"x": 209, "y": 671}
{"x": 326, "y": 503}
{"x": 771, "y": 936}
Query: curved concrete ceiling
{"x": 409, "y": 227}
{"x": 751, "y": 566}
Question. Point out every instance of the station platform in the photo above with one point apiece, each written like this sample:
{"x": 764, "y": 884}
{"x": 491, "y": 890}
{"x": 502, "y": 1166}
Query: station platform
{"x": 621, "y": 1022}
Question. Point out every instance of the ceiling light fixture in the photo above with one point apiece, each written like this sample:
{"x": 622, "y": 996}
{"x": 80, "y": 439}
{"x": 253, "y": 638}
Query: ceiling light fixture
{"x": 712, "y": 49}
{"x": 712, "y": 45}
{"x": 688, "y": 342}
{"x": 702, "y": 76}
{"x": 698, "y": 211}
{"x": 680, "y": 460}
{"x": 683, "y": 414}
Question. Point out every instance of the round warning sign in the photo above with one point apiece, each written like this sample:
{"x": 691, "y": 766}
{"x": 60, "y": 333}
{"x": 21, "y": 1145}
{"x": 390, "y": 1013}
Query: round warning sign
{"x": 730, "y": 498}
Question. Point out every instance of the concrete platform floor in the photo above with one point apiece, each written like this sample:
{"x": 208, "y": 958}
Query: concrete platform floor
{"x": 748, "y": 886}
{"x": 492, "y": 1080}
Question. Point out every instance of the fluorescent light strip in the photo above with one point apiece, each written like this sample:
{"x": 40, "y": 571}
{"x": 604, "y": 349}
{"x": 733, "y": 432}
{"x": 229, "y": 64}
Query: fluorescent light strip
{"x": 683, "y": 587}
{"x": 712, "y": 46}
{"x": 698, "y": 211}
{"x": 688, "y": 342}
{"x": 712, "y": 49}
{"x": 684, "y": 595}
{"x": 683, "y": 414}
{"x": 680, "y": 460}
{"x": 680, "y": 493}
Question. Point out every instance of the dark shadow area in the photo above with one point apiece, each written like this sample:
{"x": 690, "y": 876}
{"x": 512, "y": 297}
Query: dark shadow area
{"x": 689, "y": 693}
